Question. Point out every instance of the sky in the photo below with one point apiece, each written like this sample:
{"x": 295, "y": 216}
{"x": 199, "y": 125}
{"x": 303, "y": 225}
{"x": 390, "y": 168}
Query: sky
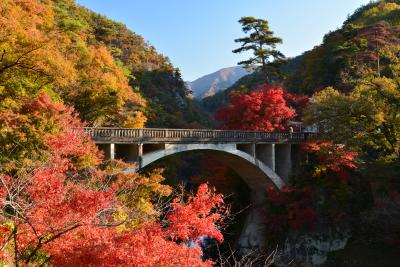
{"x": 198, "y": 35}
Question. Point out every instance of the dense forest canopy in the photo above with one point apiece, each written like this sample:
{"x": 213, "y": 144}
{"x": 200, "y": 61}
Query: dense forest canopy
{"x": 63, "y": 67}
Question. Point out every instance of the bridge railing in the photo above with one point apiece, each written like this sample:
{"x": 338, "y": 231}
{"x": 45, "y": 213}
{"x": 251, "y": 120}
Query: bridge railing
{"x": 130, "y": 135}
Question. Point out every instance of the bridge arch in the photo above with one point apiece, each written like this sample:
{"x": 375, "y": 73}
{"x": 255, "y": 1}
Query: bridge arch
{"x": 252, "y": 170}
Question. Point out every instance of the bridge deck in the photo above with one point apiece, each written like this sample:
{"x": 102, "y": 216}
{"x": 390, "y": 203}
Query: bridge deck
{"x": 152, "y": 135}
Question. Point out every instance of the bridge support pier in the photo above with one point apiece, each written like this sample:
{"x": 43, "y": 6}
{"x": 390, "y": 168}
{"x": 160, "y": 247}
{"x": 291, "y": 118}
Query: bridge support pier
{"x": 266, "y": 154}
{"x": 283, "y": 163}
{"x": 253, "y": 235}
{"x": 108, "y": 150}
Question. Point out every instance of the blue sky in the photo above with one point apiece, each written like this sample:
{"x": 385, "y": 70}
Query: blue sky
{"x": 198, "y": 35}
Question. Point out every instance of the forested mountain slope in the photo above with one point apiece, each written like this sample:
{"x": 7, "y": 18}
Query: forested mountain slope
{"x": 149, "y": 72}
{"x": 109, "y": 74}
{"x": 350, "y": 53}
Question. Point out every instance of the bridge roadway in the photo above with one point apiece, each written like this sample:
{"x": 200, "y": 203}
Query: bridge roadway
{"x": 260, "y": 158}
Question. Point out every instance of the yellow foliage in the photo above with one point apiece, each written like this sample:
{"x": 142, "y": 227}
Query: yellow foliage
{"x": 137, "y": 192}
{"x": 369, "y": 115}
{"x": 138, "y": 120}
{"x": 381, "y": 9}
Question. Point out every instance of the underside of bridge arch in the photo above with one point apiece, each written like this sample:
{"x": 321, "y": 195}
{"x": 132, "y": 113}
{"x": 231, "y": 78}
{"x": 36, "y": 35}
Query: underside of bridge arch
{"x": 254, "y": 172}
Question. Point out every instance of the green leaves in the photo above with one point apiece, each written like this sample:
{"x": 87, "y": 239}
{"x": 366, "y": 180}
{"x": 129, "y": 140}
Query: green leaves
{"x": 262, "y": 42}
{"x": 366, "y": 119}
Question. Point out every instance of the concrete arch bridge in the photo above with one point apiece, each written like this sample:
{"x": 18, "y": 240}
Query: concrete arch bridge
{"x": 260, "y": 158}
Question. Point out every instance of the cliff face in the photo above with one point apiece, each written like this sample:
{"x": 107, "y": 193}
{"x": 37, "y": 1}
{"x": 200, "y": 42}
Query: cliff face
{"x": 210, "y": 84}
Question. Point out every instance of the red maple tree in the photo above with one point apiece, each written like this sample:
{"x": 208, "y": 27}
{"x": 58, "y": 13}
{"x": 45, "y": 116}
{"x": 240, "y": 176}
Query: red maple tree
{"x": 264, "y": 109}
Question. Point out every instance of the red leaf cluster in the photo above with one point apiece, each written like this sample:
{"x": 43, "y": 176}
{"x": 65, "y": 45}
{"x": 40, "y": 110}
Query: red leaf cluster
{"x": 187, "y": 225}
{"x": 264, "y": 109}
{"x": 334, "y": 157}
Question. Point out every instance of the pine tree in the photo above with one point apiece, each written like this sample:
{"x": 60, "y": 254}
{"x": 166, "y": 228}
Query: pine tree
{"x": 262, "y": 42}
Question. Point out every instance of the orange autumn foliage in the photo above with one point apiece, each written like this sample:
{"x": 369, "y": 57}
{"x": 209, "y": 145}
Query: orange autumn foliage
{"x": 42, "y": 52}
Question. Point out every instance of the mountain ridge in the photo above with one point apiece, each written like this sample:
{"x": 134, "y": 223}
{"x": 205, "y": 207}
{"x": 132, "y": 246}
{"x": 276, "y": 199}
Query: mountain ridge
{"x": 215, "y": 82}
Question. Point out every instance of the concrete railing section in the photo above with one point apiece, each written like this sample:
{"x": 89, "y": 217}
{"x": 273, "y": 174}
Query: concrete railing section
{"x": 126, "y": 135}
